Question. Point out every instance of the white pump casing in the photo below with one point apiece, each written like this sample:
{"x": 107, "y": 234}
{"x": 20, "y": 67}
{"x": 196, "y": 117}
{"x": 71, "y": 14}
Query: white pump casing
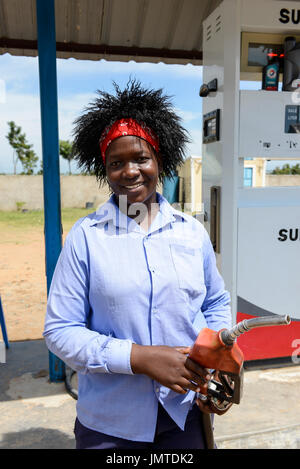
{"x": 258, "y": 261}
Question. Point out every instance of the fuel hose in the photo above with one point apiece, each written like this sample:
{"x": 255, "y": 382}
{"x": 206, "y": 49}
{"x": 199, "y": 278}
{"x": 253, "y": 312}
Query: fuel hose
{"x": 68, "y": 383}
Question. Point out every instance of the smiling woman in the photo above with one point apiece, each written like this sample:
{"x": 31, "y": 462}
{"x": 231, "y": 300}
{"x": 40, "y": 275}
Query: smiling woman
{"x": 149, "y": 112}
{"x": 134, "y": 165}
{"x": 133, "y": 169}
{"x": 135, "y": 283}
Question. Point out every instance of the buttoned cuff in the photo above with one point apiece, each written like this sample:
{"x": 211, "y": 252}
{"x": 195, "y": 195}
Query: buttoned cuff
{"x": 118, "y": 356}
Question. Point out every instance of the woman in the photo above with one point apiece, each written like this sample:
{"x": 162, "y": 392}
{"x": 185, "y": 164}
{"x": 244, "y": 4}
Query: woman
{"x": 135, "y": 283}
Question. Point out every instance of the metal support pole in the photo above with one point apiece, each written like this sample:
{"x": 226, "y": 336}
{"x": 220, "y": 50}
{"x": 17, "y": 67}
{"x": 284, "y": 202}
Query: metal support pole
{"x": 3, "y": 326}
{"x": 50, "y": 145}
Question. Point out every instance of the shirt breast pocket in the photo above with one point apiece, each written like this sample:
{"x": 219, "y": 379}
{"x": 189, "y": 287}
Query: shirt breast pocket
{"x": 188, "y": 264}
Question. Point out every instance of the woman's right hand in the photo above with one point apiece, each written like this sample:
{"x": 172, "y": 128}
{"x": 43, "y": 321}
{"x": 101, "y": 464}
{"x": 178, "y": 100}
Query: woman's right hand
{"x": 167, "y": 365}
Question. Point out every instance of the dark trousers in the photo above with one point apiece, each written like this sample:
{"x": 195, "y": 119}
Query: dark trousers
{"x": 167, "y": 435}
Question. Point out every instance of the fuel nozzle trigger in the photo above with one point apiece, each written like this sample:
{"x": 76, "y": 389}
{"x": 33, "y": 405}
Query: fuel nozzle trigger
{"x": 227, "y": 388}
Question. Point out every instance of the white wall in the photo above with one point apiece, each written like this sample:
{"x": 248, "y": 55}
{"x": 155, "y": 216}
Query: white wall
{"x": 76, "y": 190}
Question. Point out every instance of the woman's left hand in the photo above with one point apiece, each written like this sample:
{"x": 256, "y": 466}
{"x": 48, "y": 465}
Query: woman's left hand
{"x": 208, "y": 406}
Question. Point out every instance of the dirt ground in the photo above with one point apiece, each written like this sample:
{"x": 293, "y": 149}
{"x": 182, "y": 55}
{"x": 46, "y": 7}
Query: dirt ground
{"x": 23, "y": 283}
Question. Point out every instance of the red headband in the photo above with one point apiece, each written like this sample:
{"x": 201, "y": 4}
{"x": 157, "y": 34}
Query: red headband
{"x": 124, "y": 127}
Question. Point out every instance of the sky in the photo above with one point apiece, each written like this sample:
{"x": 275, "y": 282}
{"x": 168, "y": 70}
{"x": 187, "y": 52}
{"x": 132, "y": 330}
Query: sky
{"x": 77, "y": 83}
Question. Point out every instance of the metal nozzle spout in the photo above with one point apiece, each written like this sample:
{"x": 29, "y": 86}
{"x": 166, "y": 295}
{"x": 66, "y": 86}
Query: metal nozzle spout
{"x": 229, "y": 336}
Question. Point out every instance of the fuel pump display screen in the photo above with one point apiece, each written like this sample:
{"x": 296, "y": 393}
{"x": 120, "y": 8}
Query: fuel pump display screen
{"x": 211, "y": 126}
{"x": 260, "y": 54}
{"x": 259, "y": 49}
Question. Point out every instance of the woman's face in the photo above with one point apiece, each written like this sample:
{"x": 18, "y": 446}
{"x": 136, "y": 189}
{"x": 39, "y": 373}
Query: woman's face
{"x": 132, "y": 169}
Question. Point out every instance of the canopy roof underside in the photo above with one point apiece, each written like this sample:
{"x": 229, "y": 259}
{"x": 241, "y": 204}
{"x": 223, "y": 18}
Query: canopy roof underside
{"x": 168, "y": 31}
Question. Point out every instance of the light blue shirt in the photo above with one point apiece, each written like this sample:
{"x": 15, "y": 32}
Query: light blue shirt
{"x": 114, "y": 285}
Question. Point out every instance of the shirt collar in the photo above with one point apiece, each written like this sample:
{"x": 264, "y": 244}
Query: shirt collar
{"x": 110, "y": 212}
{"x": 169, "y": 211}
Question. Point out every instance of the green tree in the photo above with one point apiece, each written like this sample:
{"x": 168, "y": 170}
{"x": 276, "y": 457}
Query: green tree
{"x": 29, "y": 160}
{"x": 66, "y": 151}
{"x": 296, "y": 169}
{"x": 22, "y": 150}
{"x": 287, "y": 169}
{"x": 13, "y": 138}
{"x": 41, "y": 170}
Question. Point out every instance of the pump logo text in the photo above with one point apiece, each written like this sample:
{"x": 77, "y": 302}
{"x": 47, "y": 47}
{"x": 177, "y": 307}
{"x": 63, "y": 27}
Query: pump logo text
{"x": 291, "y": 234}
{"x": 289, "y": 15}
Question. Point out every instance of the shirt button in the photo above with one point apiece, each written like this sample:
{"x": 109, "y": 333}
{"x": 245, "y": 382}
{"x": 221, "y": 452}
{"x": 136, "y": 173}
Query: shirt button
{"x": 157, "y": 389}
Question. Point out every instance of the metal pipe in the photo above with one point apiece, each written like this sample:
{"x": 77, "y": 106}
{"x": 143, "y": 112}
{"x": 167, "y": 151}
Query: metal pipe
{"x": 229, "y": 336}
{"x": 45, "y": 12}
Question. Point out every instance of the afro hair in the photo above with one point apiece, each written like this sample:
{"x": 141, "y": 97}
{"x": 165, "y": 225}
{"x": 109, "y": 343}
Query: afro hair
{"x": 148, "y": 107}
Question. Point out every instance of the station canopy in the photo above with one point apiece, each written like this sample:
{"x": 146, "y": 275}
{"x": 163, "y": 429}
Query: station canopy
{"x": 168, "y": 31}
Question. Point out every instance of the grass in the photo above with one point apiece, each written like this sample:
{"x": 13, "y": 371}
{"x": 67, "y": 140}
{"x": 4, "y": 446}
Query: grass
{"x": 70, "y": 215}
{"x": 35, "y": 218}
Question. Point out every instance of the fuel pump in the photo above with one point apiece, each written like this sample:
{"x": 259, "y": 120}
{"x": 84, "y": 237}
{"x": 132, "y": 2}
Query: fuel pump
{"x": 255, "y": 231}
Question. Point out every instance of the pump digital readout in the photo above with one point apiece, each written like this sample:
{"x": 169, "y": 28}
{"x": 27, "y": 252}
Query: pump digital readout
{"x": 211, "y": 126}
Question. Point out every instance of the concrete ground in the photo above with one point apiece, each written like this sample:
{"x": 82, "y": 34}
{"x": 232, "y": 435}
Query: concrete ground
{"x": 37, "y": 414}
{"x": 268, "y": 415}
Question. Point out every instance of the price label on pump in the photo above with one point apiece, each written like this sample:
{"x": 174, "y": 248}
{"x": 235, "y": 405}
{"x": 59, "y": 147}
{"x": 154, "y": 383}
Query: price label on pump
{"x": 292, "y": 118}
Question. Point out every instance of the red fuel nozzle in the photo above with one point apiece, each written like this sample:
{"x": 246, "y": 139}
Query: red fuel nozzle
{"x": 219, "y": 351}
